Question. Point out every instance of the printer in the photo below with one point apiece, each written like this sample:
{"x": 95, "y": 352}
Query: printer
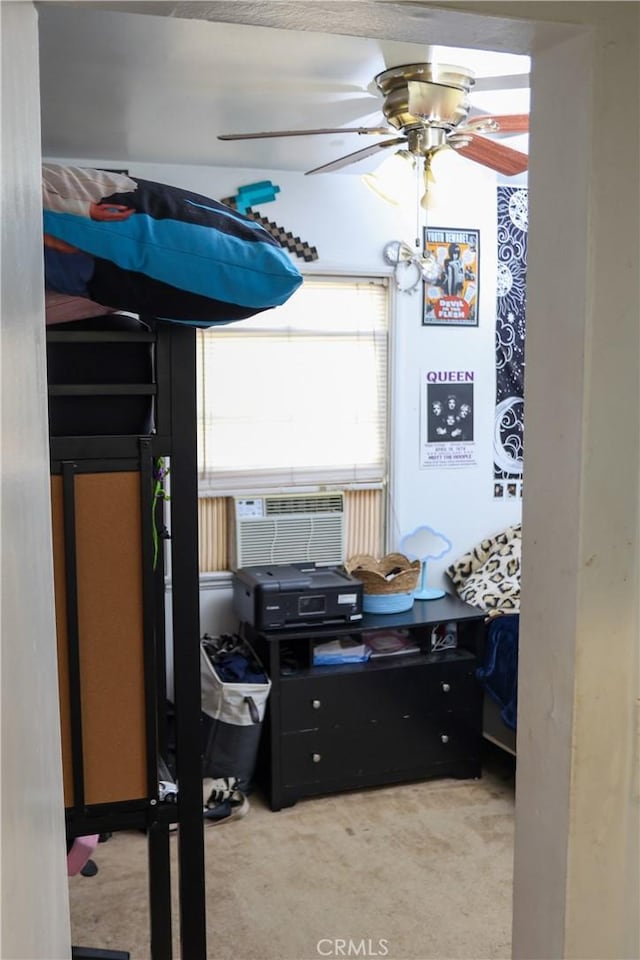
{"x": 287, "y": 595}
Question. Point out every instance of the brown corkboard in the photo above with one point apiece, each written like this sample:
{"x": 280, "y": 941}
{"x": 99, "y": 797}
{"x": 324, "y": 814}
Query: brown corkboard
{"x": 110, "y": 622}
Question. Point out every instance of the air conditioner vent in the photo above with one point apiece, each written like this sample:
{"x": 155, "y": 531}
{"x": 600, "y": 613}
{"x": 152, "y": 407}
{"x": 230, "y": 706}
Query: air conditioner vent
{"x": 320, "y": 503}
{"x": 288, "y": 529}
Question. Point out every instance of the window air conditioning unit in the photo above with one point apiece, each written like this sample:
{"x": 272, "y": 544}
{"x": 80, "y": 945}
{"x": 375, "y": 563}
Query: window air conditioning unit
{"x": 287, "y": 528}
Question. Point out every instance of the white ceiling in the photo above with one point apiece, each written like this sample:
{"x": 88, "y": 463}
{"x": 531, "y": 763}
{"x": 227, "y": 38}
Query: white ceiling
{"x": 135, "y": 87}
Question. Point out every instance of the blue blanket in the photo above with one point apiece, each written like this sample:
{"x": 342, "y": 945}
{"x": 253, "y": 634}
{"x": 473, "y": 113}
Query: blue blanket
{"x": 498, "y": 673}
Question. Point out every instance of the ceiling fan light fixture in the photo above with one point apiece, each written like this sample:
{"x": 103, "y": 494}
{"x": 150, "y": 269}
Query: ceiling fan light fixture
{"x": 428, "y": 183}
{"x": 393, "y": 180}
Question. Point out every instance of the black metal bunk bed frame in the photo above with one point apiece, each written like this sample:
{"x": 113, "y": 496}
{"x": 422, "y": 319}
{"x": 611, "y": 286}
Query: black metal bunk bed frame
{"x": 173, "y": 393}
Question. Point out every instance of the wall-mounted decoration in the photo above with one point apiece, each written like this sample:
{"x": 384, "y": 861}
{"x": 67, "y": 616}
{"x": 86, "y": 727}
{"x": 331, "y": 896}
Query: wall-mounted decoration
{"x": 451, "y": 292}
{"x": 446, "y": 419}
{"x": 511, "y": 302}
{"x": 264, "y": 191}
{"x": 296, "y": 246}
{"x": 507, "y": 490}
{"x": 407, "y": 263}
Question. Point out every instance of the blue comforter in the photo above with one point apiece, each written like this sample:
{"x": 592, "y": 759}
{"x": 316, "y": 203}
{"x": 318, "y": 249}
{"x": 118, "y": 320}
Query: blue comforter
{"x": 499, "y": 670}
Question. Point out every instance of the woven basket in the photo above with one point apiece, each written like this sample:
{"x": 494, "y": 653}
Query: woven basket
{"x": 378, "y": 576}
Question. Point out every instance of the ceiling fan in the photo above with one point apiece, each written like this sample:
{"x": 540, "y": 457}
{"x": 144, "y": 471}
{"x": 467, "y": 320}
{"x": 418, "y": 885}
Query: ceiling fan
{"x": 428, "y": 104}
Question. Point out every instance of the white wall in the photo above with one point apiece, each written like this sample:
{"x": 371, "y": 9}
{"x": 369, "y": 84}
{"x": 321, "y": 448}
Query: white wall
{"x": 35, "y": 910}
{"x": 458, "y": 502}
{"x": 349, "y": 225}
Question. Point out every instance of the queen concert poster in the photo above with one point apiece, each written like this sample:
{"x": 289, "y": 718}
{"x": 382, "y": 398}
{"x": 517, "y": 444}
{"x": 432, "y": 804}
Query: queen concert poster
{"x": 446, "y": 419}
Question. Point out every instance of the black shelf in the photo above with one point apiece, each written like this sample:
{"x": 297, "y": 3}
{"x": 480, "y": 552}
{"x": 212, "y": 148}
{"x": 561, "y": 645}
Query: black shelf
{"x": 423, "y": 613}
{"x": 390, "y": 662}
{"x": 166, "y": 359}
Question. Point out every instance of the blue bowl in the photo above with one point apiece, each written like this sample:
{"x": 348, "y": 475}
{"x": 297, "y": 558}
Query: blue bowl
{"x": 387, "y": 602}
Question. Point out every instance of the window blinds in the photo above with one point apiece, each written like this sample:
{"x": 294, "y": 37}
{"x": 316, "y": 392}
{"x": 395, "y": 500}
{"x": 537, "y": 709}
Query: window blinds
{"x": 297, "y": 395}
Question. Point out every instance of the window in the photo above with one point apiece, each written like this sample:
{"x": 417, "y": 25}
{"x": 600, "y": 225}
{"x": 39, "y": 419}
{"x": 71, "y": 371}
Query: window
{"x": 297, "y": 396}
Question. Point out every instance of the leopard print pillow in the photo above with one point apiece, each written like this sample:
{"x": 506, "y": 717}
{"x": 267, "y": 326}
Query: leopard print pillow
{"x": 489, "y": 575}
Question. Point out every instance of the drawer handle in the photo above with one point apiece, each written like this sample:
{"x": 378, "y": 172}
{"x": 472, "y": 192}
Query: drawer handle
{"x": 446, "y": 687}
{"x": 316, "y": 757}
{"x": 316, "y": 704}
{"x": 444, "y": 738}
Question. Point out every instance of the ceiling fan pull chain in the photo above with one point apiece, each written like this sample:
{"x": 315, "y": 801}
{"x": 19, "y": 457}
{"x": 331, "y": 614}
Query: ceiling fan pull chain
{"x": 418, "y": 208}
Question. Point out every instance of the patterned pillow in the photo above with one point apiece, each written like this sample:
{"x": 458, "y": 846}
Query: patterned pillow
{"x": 488, "y": 576}
{"x": 157, "y": 250}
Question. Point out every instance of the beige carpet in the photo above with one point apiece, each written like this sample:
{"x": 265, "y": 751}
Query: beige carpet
{"x": 420, "y": 871}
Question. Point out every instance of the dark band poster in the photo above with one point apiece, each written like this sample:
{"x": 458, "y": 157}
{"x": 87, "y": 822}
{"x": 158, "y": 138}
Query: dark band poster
{"x": 451, "y": 290}
{"x": 446, "y": 405}
{"x": 511, "y": 303}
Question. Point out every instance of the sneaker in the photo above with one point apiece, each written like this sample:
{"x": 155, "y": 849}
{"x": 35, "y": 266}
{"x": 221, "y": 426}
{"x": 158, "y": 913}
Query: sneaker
{"x": 226, "y": 811}
{"x": 215, "y": 790}
{"x": 223, "y": 801}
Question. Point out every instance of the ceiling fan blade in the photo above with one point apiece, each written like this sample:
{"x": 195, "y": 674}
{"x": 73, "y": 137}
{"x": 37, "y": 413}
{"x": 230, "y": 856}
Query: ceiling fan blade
{"x": 497, "y": 123}
{"x": 367, "y": 131}
{"x": 517, "y": 81}
{"x": 503, "y": 159}
{"x": 358, "y": 155}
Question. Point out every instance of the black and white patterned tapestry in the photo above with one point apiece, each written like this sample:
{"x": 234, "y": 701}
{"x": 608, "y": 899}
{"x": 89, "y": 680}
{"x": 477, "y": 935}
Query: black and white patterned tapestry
{"x": 511, "y": 304}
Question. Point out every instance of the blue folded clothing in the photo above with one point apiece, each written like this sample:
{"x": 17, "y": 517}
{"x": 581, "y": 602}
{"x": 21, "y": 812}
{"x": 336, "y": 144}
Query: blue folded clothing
{"x": 236, "y": 668}
{"x": 233, "y": 659}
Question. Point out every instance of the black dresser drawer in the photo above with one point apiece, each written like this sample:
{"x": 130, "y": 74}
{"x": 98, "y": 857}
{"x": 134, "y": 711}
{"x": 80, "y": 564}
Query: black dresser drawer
{"x": 347, "y": 756}
{"x": 375, "y": 693}
{"x": 452, "y": 685}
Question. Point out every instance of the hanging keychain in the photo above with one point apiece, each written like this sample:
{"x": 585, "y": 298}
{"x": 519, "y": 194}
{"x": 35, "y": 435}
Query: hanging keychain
{"x": 160, "y": 473}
